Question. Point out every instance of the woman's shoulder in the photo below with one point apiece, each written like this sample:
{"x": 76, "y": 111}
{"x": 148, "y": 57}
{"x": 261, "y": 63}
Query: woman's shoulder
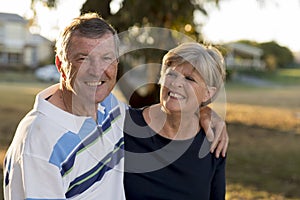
{"x": 134, "y": 111}
{"x": 139, "y": 111}
{"x": 134, "y": 116}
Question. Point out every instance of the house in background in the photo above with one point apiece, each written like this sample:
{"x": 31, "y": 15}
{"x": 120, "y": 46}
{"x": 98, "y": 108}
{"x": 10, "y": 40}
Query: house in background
{"x": 243, "y": 56}
{"x": 20, "y": 48}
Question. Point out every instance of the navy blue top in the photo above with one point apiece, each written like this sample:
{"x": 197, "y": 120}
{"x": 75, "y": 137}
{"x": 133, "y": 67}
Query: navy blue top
{"x": 157, "y": 168}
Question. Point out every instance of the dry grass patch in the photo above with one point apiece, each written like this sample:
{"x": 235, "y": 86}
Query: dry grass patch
{"x": 263, "y": 160}
{"x": 2, "y": 154}
{"x": 263, "y": 155}
{"x": 240, "y": 192}
{"x": 280, "y": 119}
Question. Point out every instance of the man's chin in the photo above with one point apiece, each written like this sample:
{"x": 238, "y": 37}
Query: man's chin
{"x": 99, "y": 99}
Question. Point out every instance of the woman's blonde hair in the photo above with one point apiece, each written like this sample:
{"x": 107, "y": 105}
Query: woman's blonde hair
{"x": 207, "y": 60}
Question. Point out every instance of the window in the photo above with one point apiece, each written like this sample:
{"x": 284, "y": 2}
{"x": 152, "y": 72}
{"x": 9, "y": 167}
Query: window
{"x": 14, "y": 58}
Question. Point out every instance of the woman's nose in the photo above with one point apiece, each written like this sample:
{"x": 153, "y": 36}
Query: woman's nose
{"x": 178, "y": 81}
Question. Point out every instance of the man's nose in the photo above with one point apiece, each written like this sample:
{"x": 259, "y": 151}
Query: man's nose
{"x": 98, "y": 67}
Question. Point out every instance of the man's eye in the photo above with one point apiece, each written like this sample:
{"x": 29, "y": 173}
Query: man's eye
{"x": 108, "y": 58}
{"x": 81, "y": 59}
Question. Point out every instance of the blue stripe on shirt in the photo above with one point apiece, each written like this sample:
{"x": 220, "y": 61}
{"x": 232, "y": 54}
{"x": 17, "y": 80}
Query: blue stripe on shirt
{"x": 70, "y": 144}
{"x": 68, "y": 164}
{"x": 8, "y": 168}
{"x": 109, "y": 104}
{"x": 69, "y": 141}
{"x": 42, "y": 199}
{"x": 83, "y": 182}
{"x": 113, "y": 115}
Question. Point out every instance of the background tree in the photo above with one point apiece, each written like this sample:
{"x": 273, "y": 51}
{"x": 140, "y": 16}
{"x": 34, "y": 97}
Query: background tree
{"x": 172, "y": 14}
{"x": 275, "y": 56}
{"x": 177, "y": 15}
{"x": 279, "y": 56}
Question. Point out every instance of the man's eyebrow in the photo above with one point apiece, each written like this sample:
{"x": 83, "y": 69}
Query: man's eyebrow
{"x": 80, "y": 54}
{"x": 110, "y": 53}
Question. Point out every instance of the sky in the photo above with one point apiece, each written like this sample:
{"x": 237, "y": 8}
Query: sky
{"x": 276, "y": 20}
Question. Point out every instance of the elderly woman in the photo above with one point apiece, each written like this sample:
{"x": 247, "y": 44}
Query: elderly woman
{"x": 167, "y": 154}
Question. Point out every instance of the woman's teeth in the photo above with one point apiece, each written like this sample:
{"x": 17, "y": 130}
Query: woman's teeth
{"x": 94, "y": 83}
{"x": 175, "y": 95}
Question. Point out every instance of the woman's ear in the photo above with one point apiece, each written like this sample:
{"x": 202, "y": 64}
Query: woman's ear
{"x": 210, "y": 92}
{"x": 59, "y": 68}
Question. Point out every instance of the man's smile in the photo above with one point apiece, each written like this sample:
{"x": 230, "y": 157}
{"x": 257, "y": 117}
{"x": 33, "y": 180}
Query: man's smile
{"x": 94, "y": 83}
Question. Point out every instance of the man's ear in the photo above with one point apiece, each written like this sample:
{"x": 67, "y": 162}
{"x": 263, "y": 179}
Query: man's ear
{"x": 59, "y": 68}
{"x": 210, "y": 92}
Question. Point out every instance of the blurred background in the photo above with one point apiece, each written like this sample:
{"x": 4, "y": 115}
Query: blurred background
{"x": 258, "y": 38}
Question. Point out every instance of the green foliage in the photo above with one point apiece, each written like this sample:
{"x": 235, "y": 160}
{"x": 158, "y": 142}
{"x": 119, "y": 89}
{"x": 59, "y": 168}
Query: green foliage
{"x": 251, "y": 43}
{"x": 275, "y": 56}
{"x": 172, "y": 14}
{"x": 168, "y": 14}
{"x": 278, "y": 55}
{"x": 99, "y": 6}
{"x": 281, "y": 76}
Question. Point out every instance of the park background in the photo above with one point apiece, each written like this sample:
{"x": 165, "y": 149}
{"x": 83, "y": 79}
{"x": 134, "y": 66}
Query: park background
{"x": 263, "y": 105}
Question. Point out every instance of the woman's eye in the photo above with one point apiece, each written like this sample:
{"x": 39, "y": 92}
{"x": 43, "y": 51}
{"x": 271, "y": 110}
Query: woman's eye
{"x": 189, "y": 78}
{"x": 171, "y": 74}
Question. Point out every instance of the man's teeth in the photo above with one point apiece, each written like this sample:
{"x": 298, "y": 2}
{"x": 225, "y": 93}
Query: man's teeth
{"x": 94, "y": 83}
{"x": 175, "y": 95}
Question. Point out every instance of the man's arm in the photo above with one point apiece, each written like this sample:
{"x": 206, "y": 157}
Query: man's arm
{"x": 215, "y": 129}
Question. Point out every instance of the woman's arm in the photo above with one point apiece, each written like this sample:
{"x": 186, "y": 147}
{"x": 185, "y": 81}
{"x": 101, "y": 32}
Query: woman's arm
{"x": 215, "y": 129}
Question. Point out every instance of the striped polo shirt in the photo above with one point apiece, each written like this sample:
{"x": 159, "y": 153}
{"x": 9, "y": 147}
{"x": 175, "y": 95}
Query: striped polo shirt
{"x": 57, "y": 155}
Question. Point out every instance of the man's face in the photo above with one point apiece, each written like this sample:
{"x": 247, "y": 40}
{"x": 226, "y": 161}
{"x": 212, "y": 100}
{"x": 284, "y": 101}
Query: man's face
{"x": 93, "y": 67}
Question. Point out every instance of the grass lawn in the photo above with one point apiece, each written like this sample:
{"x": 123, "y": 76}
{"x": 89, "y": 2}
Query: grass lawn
{"x": 286, "y": 76}
{"x": 263, "y": 125}
{"x": 264, "y": 129}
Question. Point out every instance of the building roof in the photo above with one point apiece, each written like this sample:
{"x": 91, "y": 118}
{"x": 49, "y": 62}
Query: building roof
{"x": 38, "y": 39}
{"x": 245, "y": 48}
{"x": 12, "y": 17}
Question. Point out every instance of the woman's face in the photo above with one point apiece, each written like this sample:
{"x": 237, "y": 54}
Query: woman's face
{"x": 182, "y": 89}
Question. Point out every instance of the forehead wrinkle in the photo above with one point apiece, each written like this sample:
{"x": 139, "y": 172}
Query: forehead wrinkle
{"x": 185, "y": 68}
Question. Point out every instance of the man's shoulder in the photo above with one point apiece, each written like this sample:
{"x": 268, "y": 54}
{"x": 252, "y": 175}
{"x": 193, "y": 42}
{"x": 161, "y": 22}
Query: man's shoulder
{"x": 111, "y": 101}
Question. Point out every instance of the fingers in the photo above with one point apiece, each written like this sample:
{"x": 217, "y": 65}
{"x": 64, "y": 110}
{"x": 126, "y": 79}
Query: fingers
{"x": 226, "y": 140}
{"x": 221, "y": 144}
{"x": 216, "y": 131}
{"x": 219, "y": 127}
{"x": 225, "y": 147}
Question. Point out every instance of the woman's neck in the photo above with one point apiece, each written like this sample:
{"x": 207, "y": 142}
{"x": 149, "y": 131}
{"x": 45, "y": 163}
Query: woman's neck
{"x": 177, "y": 126}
